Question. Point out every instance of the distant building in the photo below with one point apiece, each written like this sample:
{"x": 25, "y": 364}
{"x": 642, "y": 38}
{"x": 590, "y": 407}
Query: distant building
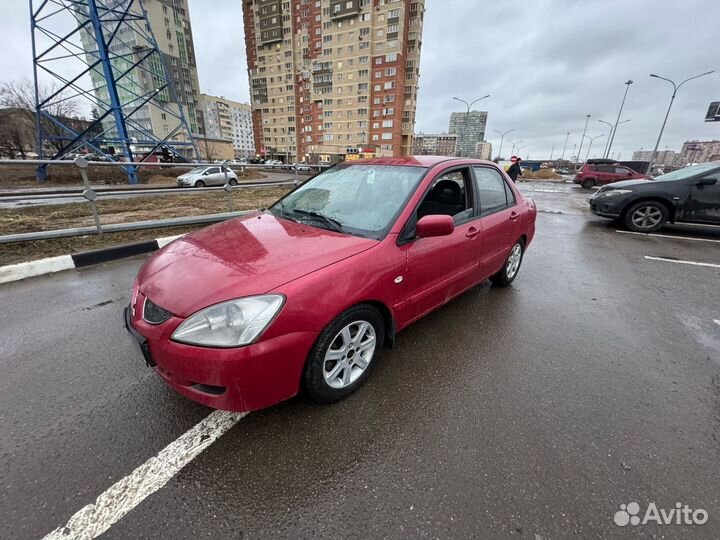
{"x": 483, "y": 150}
{"x": 435, "y": 144}
{"x": 664, "y": 157}
{"x": 470, "y": 130}
{"x": 699, "y": 152}
{"x": 230, "y": 120}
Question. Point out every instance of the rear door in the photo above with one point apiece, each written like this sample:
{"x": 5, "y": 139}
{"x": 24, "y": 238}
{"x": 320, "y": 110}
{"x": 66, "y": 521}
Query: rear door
{"x": 499, "y": 217}
{"x": 703, "y": 203}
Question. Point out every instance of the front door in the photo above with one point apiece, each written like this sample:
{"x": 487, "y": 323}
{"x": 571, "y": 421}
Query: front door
{"x": 441, "y": 268}
{"x": 703, "y": 204}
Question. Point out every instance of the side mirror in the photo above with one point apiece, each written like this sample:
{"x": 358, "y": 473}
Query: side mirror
{"x": 706, "y": 182}
{"x": 435, "y": 225}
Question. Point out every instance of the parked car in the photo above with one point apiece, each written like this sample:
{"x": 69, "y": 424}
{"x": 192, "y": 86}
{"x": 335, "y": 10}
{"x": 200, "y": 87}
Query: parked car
{"x": 304, "y": 295}
{"x": 563, "y": 171}
{"x": 689, "y": 195}
{"x": 301, "y": 167}
{"x": 601, "y": 172}
{"x": 207, "y": 176}
{"x": 273, "y": 163}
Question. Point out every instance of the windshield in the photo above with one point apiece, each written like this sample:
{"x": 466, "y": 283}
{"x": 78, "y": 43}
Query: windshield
{"x": 356, "y": 199}
{"x": 197, "y": 170}
{"x": 687, "y": 172}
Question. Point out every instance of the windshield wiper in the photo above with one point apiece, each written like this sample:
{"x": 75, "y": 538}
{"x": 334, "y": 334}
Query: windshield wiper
{"x": 333, "y": 223}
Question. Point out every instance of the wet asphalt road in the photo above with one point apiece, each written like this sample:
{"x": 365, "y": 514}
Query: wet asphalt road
{"x": 528, "y": 412}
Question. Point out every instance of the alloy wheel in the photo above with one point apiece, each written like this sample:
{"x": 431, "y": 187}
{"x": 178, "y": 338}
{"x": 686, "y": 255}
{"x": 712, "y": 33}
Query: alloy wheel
{"x": 513, "y": 263}
{"x": 646, "y": 217}
{"x": 349, "y": 354}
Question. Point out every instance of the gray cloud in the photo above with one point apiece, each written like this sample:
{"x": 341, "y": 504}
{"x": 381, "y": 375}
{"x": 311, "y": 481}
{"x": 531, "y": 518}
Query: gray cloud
{"x": 546, "y": 64}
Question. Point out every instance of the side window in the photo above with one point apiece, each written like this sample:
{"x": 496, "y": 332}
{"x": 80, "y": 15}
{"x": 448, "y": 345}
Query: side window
{"x": 621, "y": 170}
{"x": 213, "y": 170}
{"x": 449, "y": 195}
{"x": 494, "y": 193}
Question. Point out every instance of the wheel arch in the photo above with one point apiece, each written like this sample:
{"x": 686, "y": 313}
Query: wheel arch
{"x": 388, "y": 319}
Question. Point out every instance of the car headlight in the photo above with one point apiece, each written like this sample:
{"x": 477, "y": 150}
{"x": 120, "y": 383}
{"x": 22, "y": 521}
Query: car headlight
{"x": 613, "y": 192}
{"x": 230, "y": 324}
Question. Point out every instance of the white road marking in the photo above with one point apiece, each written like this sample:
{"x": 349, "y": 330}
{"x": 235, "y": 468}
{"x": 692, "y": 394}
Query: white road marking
{"x": 670, "y": 236}
{"x": 94, "y": 519}
{"x": 693, "y": 263}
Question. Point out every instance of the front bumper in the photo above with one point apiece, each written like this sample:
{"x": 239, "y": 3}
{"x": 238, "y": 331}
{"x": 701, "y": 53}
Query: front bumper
{"x": 607, "y": 208}
{"x": 239, "y": 379}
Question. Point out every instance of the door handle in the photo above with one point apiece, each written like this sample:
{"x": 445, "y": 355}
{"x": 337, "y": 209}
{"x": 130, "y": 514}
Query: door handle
{"x": 513, "y": 216}
{"x": 472, "y": 232}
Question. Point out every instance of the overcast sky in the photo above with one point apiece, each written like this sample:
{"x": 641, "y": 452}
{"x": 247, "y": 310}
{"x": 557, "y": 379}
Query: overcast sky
{"x": 545, "y": 63}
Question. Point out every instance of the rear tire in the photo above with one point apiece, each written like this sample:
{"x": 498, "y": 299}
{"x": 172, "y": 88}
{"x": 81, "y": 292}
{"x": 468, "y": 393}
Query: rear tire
{"x": 511, "y": 267}
{"x": 344, "y": 355}
{"x": 588, "y": 183}
{"x": 199, "y": 183}
{"x": 646, "y": 216}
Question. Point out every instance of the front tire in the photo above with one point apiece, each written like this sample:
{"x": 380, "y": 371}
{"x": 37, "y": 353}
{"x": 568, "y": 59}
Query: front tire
{"x": 199, "y": 183}
{"x": 646, "y": 216}
{"x": 511, "y": 267}
{"x": 344, "y": 355}
{"x": 588, "y": 183}
{"x": 233, "y": 182}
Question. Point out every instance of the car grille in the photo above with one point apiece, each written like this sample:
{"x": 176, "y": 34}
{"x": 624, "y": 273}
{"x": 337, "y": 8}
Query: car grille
{"x": 154, "y": 314}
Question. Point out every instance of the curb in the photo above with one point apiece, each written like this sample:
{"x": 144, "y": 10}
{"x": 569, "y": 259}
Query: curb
{"x": 16, "y": 272}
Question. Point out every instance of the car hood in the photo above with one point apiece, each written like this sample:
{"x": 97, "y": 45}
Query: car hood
{"x": 249, "y": 255}
{"x": 629, "y": 183}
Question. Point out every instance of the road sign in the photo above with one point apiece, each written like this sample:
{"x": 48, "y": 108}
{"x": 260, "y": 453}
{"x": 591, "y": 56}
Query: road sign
{"x": 713, "y": 114}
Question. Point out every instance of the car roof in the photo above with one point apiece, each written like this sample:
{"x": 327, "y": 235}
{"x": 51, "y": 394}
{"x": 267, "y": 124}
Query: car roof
{"x": 418, "y": 161}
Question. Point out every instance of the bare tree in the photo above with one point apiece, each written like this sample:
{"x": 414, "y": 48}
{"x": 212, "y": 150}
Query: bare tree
{"x": 210, "y": 149}
{"x": 16, "y": 134}
{"x": 57, "y": 104}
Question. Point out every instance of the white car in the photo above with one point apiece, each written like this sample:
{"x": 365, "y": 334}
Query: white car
{"x": 301, "y": 167}
{"x": 207, "y": 176}
{"x": 273, "y": 163}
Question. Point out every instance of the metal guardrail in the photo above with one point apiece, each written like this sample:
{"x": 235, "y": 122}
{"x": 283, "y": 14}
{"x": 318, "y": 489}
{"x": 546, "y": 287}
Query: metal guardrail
{"x": 91, "y": 196}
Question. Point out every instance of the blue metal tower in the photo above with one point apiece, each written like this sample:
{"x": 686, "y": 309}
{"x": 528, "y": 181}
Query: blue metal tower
{"x": 103, "y": 55}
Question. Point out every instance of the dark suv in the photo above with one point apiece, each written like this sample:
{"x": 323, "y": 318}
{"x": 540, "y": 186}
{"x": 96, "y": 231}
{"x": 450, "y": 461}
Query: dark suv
{"x": 689, "y": 195}
{"x": 601, "y": 172}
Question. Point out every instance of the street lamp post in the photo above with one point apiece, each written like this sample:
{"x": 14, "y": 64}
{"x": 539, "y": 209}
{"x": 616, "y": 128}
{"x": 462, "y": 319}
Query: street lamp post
{"x": 605, "y": 152}
{"x": 552, "y": 151}
{"x": 617, "y": 121}
{"x": 469, "y": 106}
{"x": 591, "y": 143}
{"x": 514, "y": 144}
{"x": 567, "y": 137}
{"x": 582, "y": 139}
{"x": 502, "y": 137}
{"x": 676, "y": 87}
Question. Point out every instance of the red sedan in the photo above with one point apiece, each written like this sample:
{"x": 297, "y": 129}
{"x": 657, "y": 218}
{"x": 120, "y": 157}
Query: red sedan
{"x": 304, "y": 295}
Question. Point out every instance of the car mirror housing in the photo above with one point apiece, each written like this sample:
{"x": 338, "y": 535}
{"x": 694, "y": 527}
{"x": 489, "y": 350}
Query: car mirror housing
{"x": 435, "y": 225}
{"x": 706, "y": 182}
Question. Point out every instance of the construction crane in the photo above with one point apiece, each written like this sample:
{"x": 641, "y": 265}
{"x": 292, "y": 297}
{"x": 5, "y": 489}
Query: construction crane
{"x": 103, "y": 54}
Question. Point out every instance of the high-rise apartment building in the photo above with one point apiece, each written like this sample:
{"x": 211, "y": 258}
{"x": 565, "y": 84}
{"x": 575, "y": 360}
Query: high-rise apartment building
{"x": 170, "y": 24}
{"x": 231, "y": 120}
{"x": 328, "y": 75}
{"x": 470, "y": 129}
